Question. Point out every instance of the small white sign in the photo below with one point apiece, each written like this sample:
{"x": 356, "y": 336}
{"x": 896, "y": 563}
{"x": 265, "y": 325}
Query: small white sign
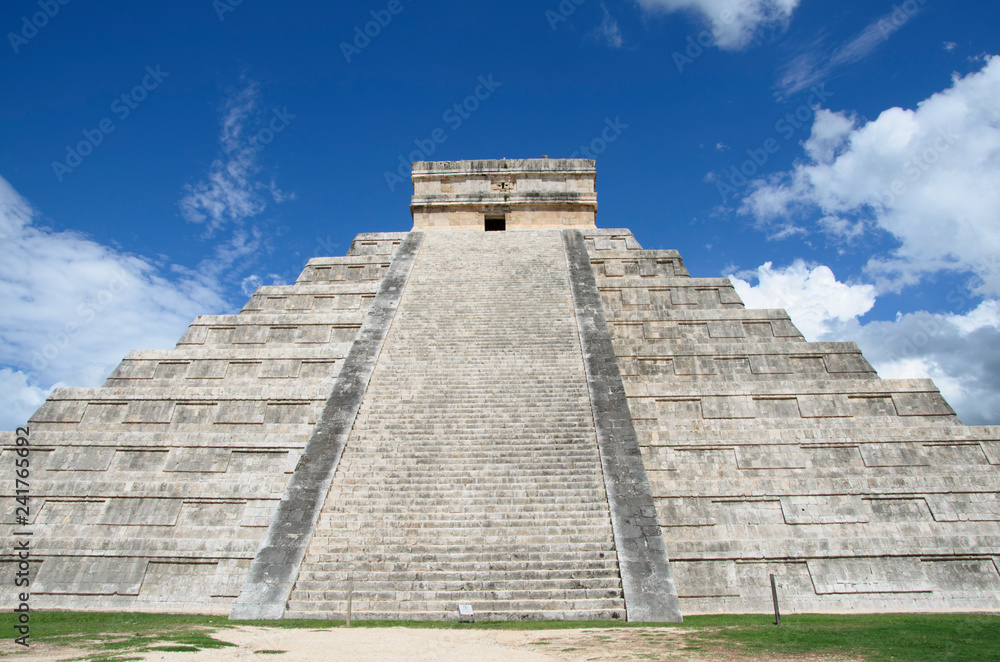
{"x": 465, "y": 614}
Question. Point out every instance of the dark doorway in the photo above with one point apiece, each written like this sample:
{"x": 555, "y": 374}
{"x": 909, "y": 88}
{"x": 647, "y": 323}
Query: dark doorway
{"x": 496, "y": 223}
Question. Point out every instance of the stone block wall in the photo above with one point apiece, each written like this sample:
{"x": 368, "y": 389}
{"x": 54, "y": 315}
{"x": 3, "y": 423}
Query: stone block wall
{"x": 768, "y": 454}
{"x": 764, "y": 453}
{"x": 154, "y": 491}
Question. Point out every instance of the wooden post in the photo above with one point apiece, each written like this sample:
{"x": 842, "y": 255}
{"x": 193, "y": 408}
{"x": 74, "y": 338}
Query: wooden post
{"x": 774, "y": 597}
{"x": 350, "y": 598}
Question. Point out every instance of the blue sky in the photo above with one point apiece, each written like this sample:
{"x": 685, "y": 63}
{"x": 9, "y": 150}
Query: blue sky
{"x": 160, "y": 160}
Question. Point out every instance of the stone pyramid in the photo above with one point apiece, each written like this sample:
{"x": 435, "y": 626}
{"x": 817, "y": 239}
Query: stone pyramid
{"x": 529, "y": 420}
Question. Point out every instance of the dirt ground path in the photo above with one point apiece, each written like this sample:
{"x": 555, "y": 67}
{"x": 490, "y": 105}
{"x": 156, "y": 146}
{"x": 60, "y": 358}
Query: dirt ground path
{"x": 425, "y": 645}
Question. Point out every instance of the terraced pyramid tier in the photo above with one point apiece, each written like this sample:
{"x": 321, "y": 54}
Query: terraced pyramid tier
{"x": 528, "y": 421}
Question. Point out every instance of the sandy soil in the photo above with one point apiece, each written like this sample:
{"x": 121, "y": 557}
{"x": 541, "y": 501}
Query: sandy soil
{"x": 378, "y": 644}
{"x": 375, "y": 645}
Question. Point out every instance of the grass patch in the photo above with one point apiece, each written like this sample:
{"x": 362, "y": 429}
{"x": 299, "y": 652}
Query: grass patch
{"x": 874, "y": 637}
{"x": 46, "y": 625}
{"x": 118, "y": 637}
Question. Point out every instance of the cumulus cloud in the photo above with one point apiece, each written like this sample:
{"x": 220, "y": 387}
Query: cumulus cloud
{"x": 250, "y": 284}
{"x": 813, "y": 296}
{"x": 734, "y": 23}
{"x": 20, "y": 398}
{"x": 926, "y": 176}
{"x": 233, "y": 190}
{"x": 73, "y": 308}
{"x": 959, "y": 351}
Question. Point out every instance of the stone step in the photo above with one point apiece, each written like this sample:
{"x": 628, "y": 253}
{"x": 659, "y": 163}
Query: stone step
{"x": 466, "y": 560}
{"x": 355, "y": 503}
{"x": 503, "y": 537}
{"x": 431, "y": 481}
{"x": 379, "y": 583}
{"x": 470, "y": 566}
{"x": 473, "y": 457}
{"x": 299, "y": 611}
{"x": 388, "y": 509}
{"x": 473, "y": 519}
{"x": 512, "y": 571}
{"x": 386, "y": 609}
{"x": 364, "y": 596}
{"x": 445, "y": 465}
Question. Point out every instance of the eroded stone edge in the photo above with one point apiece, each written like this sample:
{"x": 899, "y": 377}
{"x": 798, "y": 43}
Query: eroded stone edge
{"x": 269, "y": 581}
{"x": 647, "y": 581}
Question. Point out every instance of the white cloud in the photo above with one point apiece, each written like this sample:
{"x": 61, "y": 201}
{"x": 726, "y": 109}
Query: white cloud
{"x": 927, "y": 176}
{"x": 608, "y": 31}
{"x": 250, "y": 284}
{"x": 811, "y": 295}
{"x": 960, "y": 352}
{"x": 20, "y": 398}
{"x": 841, "y": 228}
{"x": 233, "y": 189}
{"x": 734, "y": 23}
{"x": 73, "y": 308}
{"x": 830, "y": 131}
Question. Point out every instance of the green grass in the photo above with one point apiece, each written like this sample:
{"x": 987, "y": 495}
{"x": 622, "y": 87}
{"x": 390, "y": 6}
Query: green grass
{"x": 874, "y": 637}
{"x": 117, "y": 637}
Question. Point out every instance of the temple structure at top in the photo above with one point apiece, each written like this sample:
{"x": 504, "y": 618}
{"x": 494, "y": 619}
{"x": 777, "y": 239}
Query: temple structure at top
{"x": 532, "y": 194}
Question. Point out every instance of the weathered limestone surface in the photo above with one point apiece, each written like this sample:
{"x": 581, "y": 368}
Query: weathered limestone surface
{"x": 650, "y": 594}
{"x": 473, "y": 473}
{"x": 153, "y": 492}
{"x": 530, "y": 193}
{"x": 768, "y": 454}
{"x": 488, "y": 440}
{"x": 279, "y": 559}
